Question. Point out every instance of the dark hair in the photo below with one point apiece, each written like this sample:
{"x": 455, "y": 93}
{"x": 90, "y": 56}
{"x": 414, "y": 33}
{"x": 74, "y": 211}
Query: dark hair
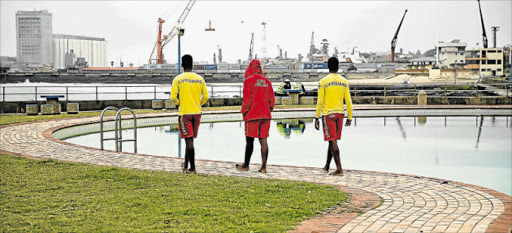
{"x": 187, "y": 62}
{"x": 333, "y": 64}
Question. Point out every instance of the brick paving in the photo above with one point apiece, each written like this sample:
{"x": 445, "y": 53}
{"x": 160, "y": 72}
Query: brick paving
{"x": 409, "y": 203}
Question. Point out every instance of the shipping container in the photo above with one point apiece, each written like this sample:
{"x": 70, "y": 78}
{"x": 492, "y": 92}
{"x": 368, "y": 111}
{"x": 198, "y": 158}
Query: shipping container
{"x": 210, "y": 67}
{"x": 198, "y": 67}
{"x": 170, "y": 66}
{"x": 315, "y": 65}
{"x": 234, "y": 66}
{"x": 223, "y": 67}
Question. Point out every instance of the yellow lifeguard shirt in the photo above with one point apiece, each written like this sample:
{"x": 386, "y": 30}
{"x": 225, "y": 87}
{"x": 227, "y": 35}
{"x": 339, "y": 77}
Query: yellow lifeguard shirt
{"x": 192, "y": 92}
{"x": 332, "y": 90}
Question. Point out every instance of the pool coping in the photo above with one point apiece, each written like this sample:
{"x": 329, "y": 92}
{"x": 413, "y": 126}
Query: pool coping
{"x": 500, "y": 224}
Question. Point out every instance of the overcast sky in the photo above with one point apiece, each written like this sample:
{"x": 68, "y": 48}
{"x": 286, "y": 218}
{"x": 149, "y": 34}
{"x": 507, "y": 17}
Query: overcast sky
{"x": 130, "y": 27}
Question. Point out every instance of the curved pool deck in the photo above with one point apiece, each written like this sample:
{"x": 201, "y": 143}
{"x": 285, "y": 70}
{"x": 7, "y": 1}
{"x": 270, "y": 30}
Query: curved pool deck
{"x": 409, "y": 203}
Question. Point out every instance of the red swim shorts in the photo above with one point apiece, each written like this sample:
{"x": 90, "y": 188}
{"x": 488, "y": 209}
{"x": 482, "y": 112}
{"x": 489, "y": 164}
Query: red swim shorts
{"x": 188, "y": 125}
{"x": 333, "y": 124}
{"x": 257, "y": 128}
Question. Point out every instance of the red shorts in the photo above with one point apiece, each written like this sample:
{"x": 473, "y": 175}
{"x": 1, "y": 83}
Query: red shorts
{"x": 188, "y": 125}
{"x": 332, "y": 126}
{"x": 257, "y": 128}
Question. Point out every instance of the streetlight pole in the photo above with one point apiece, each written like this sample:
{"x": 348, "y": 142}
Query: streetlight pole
{"x": 455, "y": 73}
{"x": 181, "y": 32}
{"x": 179, "y": 72}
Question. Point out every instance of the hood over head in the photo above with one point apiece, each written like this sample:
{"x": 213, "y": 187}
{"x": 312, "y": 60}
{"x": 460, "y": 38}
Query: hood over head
{"x": 253, "y": 68}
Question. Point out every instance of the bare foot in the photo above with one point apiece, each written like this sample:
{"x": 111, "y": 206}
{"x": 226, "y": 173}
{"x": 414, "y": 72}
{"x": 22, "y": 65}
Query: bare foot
{"x": 241, "y": 167}
{"x": 325, "y": 169}
{"x": 189, "y": 171}
{"x": 184, "y": 167}
{"x": 263, "y": 170}
{"x": 337, "y": 173}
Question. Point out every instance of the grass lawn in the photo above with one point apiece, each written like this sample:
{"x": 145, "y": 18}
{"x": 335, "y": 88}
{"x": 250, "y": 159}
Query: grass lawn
{"x": 58, "y": 196}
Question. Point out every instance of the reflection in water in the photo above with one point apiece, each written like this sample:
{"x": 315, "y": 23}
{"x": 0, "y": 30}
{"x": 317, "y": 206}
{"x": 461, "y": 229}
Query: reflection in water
{"x": 285, "y": 127}
{"x": 479, "y": 131}
{"x": 401, "y": 127}
{"x": 422, "y": 120}
{"x": 172, "y": 129}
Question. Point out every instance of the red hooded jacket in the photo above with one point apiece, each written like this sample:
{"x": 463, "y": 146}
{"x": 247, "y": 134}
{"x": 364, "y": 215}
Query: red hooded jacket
{"x": 258, "y": 94}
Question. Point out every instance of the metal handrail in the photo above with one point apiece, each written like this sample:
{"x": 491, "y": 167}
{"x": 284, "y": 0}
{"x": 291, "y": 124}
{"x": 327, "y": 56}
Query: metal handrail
{"x": 119, "y": 141}
{"x": 101, "y": 124}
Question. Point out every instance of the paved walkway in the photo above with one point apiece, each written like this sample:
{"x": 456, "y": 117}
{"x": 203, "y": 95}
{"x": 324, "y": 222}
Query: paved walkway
{"x": 410, "y": 204}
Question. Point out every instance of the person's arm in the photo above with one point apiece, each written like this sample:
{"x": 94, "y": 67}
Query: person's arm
{"x": 272, "y": 102}
{"x": 174, "y": 92}
{"x": 319, "y": 103}
{"x": 204, "y": 94}
{"x": 320, "y": 99}
{"x": 246, "y": 104}
{"x": 348, "y": 102}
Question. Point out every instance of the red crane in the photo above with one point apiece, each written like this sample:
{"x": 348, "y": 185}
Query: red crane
{"x": 162, "y": 41}
{"x": 210, "y": 27}
{"x": 393, "y": 42}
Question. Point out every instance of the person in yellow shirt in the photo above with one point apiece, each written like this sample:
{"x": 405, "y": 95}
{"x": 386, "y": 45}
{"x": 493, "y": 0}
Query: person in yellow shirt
{"x": 332, "y": 90}
{"x": 189, "y": 93}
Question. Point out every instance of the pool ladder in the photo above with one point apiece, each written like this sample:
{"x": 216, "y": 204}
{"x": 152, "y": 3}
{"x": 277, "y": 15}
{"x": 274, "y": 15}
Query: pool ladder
{"x": 119, "y": 129}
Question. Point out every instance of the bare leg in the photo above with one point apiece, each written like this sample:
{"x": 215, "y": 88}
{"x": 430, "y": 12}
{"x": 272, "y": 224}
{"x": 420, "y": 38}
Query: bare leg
{"x": 185, "y": 163}
{"x": 190, "y": 154}
{"x": 329, "y": 158}
{"x": 249, "y": 147}
{"x": 333, "y": 145}
{"x": 264, "y": 155}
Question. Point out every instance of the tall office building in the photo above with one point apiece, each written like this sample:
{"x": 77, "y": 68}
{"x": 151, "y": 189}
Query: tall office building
{"x": 34, "y": 45}
{"x": 93, "y": 49}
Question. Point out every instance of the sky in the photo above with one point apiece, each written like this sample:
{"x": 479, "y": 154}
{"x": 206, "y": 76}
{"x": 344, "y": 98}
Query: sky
{"x": 130, "y": 27}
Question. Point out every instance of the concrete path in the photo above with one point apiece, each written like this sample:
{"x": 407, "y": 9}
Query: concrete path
{"x": 410, "y": 204}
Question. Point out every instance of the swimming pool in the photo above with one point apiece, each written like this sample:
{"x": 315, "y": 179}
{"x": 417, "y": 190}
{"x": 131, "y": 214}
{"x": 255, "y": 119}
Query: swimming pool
{"x": 475, "y": 150}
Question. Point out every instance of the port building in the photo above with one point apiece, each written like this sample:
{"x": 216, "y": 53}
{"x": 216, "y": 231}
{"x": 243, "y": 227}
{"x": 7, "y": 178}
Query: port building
{"x": 452, "y": 53}
{"x": 93, "y": 49}
{"x": 486, "y": 62}
{"x": 34, "y": 45}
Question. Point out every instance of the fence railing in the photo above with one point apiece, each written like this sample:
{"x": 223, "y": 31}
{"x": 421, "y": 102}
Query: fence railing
{"x": 146, "y": 92}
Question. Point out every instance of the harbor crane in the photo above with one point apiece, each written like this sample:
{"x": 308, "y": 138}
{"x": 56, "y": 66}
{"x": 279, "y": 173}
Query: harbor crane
{"x": 162, "y": 41}
{"x": 312, "y": 48}
{"x": 210, "y": 27}
{"x": 393, "y": 42}
{"x": 251, "y": 47}
{"x": 484, "y": 35}
{"x": 220, "y": 54}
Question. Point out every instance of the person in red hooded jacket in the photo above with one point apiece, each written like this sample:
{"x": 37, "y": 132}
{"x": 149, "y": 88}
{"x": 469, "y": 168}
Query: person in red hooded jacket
{"x": 256, "y": 107}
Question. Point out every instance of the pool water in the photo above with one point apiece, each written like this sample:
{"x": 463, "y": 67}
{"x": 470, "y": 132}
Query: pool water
{"x": 474, "y": 150}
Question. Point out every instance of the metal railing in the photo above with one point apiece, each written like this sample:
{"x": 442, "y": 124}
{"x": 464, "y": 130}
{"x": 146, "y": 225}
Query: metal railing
{"x": 148, "y": 92}
{"x": 101, "y": 125}
{"x": 119, "y": 129}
